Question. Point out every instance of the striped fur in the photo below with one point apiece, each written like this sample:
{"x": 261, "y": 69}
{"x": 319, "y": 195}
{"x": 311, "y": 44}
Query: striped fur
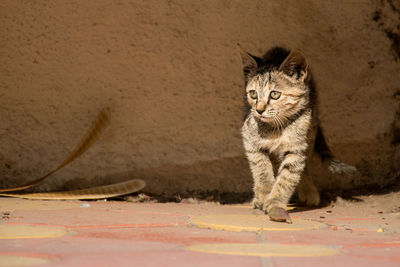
{"x": 282, "y": 129}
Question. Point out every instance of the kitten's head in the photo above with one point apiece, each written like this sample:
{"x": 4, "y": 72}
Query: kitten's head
{"x": 276, "y": 85}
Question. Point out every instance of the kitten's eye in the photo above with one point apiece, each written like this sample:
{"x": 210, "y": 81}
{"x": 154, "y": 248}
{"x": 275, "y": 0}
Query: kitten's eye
{"x": 253, "y": 94}
{"x": 275, "y": 95}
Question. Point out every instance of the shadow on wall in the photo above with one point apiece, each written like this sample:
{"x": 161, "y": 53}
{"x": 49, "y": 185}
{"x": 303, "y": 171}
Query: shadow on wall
{"x": 387, "y": 25}
{"x": 170, "y": 182}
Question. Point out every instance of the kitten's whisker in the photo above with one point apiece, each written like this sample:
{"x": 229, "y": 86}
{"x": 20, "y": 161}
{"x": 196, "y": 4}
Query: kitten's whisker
{"x": 276, "y": 124}
{"x": 284, "y": 119}
{"x": 280, "y": 122}
{"x": 277, "y": 127}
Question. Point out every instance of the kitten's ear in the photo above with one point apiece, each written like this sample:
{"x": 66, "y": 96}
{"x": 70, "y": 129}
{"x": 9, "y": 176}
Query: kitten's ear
{"x": 295, "y": 65}
{"x": 249, "y": 62}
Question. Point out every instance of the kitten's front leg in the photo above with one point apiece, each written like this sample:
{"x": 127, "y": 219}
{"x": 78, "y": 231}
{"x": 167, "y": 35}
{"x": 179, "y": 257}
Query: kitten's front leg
{"x": 263, "y": 176}
{"x": 288, "y": 177}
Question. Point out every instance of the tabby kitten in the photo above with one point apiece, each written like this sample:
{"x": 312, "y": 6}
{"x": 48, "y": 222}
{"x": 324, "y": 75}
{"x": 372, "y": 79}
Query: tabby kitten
{"x": 282, "y": 130}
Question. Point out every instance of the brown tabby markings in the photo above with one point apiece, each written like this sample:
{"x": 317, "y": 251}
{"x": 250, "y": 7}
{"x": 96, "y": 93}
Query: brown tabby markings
{"x": 282, "y": 124}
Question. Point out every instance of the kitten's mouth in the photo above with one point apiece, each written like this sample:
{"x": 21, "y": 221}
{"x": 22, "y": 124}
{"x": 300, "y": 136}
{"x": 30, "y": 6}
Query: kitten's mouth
{"x": 266, "y": 119}
{"x": 263, "y": 117}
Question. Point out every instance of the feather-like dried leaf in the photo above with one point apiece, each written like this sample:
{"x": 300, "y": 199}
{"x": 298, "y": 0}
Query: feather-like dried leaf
{"x": 87, "y": 141}
{"x": 97, "y": 192}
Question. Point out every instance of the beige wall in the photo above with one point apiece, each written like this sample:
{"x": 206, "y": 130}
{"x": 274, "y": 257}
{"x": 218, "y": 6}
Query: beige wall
{"x": 171, "y": 73}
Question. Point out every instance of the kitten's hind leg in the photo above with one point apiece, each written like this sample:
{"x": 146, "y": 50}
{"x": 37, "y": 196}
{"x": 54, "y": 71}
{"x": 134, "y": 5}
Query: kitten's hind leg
{"x": 263, "y": 176}
{"x": 307, "y": 191}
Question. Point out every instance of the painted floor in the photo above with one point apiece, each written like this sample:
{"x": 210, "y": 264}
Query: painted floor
{"x": 117, "y": 233}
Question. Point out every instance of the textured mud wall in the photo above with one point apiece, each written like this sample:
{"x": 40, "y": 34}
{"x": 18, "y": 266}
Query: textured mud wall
{"x": 171, "y": 73}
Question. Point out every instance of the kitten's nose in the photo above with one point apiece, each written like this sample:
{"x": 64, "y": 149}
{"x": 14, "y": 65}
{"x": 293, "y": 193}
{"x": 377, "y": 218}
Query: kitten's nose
{"x": 260, "y": 108}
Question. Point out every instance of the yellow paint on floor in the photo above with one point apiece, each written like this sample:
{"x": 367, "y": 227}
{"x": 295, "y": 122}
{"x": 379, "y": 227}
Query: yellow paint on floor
{"x": 265, "y": 250}
{"x": 10, "y": 261}
{"x": 243, "y": 206}
{"x": 30, "y": 231}
{"x": 289, "y": 207}
{"x": 252, "y": 223}
{"x": 12, "y": 204}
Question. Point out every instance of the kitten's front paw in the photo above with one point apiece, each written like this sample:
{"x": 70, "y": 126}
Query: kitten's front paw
{"x": 257, "y": 204}
{"x": 276, "y": 210}
{"x": 279, "y": 214}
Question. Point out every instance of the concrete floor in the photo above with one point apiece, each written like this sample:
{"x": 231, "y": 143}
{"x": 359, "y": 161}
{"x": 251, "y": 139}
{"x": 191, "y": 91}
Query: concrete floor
{"x": 117, "y": 233}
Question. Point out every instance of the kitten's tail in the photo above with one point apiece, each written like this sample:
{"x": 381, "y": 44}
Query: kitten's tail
{"x": 334, "y": 165}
